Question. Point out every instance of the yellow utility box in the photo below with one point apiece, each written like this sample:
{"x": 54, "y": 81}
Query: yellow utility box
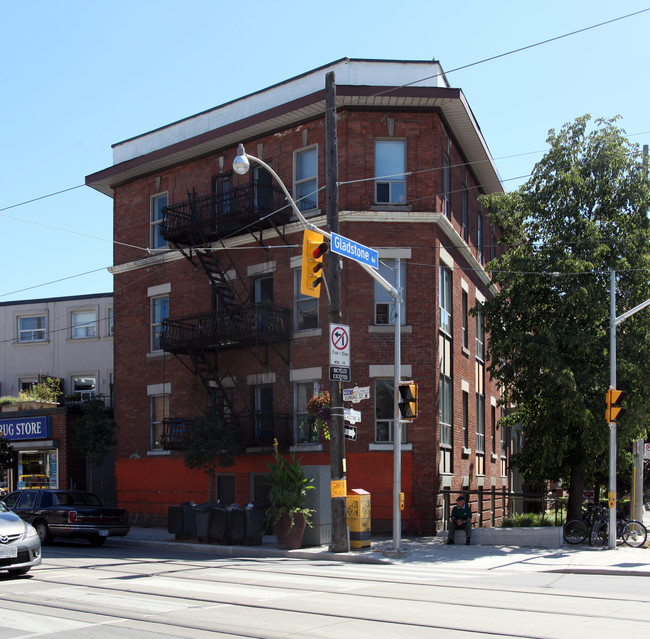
{"x": 358, "y": 517}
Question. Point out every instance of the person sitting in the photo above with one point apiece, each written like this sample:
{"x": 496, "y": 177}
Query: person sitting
{"x": 461, "y": 517}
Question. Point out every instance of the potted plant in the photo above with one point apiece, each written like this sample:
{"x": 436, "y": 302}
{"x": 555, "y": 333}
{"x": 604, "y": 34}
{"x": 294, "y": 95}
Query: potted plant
{"x": 319, "y": 407}
{"x": 289, "y": 486}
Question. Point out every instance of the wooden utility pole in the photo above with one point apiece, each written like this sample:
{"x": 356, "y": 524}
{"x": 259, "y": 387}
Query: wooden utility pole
{"x": 336, "y": 423}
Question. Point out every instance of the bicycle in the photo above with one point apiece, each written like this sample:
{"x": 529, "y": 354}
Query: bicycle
{"x": 633, "y": 533}
{"x": 576, "y": 531}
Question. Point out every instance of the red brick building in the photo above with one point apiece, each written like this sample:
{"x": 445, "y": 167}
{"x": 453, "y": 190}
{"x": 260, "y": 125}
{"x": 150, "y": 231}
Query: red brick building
{"x": 208, "y": 309}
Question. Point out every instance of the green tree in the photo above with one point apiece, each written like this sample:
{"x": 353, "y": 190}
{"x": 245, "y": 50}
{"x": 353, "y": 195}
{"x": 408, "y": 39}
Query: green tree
{"x": 212, "y": 445}
{"x": 94, "y": 434}
{"x": 582, "y": 213}
{"x": 6, "y": 456}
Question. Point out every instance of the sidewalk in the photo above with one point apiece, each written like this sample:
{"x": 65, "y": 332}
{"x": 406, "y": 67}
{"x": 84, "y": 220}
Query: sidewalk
{"x": 622, "y": 560}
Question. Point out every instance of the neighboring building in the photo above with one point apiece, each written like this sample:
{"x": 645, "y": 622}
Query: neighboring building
{"x": 209, "y": 310}
{"x": 69, "y": 338}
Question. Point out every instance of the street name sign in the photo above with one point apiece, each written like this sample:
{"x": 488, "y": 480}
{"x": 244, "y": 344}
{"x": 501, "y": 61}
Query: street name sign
{"x": 355, "y": 251}
{"x": 351, "y": 415}
{"x": 356, "y": 394}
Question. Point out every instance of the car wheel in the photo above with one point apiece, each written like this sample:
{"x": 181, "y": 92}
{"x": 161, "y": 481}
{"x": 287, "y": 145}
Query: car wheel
{"x": 16, "y": 572}
{"x": 97, "y": 541}
{"x": 43, "y": 532}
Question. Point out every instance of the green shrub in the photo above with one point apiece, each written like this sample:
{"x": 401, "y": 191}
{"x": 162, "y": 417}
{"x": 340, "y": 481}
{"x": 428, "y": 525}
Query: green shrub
{"x": 529, "y": 520}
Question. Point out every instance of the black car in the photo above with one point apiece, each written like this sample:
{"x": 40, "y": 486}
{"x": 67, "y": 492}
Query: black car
{"x": 71, "y": 514}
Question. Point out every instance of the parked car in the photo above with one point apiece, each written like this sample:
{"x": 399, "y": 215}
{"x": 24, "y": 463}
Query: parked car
{"x": 70, "y": 514}
{"x": 20, "y": 545}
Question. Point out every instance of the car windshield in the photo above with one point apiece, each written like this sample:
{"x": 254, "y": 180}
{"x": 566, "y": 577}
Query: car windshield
{"x": 78, "y": 499}
{"x": 3, "y": 508}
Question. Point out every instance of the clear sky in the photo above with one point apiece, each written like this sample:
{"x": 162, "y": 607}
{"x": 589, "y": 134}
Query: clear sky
{"x": 79, "y": 76}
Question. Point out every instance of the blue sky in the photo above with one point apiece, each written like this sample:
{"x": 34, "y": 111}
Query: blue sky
{"x": 79, "y": 76}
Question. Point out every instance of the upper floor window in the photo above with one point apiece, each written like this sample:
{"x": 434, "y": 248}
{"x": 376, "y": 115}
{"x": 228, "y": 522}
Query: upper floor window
{"x": 222, "y": 190}
{"x": 445, "y": 299}
{"x": 446, "y": 176}
{"x": 32, "y": 329}
{"x": 158, "y": 202}
{"x": 479, "y": 237}
{"x": 465, "y": 318}
{"x": 159, "y": 312}
{"x": 111, "y": 321}
{"x": 390, "y": 171}
{"x": 305, "y": 308}
{"x": 384, "y": 301}
{"x": 306, "y": 429}
{"x": 385, "y": 412}
{"x": 84, "y": 386}
{"x": 465, "y": 213}
{"x": 84, "y": 324}
{"x": 305, "y": 185}
{"x": 480, "y": 337}
{"x": 159, "y": 410}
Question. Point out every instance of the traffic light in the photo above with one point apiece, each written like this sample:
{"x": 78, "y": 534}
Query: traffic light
{"x": 408, "y": 404}
{"x": 313, "y": 249}
{"x": 614, "y": 409}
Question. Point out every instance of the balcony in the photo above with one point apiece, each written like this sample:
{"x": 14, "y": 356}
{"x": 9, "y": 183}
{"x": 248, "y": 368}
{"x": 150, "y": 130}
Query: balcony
{"x": 245, "y": 326}
{"x": 207, "y": 218}
{"x": 250, "y": 430}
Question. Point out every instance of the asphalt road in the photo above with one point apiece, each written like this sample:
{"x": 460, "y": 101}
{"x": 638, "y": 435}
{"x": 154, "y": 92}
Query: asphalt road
{"x": 122, "y": 592}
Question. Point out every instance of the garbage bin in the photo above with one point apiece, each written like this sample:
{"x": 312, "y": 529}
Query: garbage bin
{"x": 358, "y": 517}
{"x": 218, "y": 524}
{"x": 202, "y": 518}
{"x": 237, "y": 525}
{"x": 175, "y": 520}
{"x": 189, "y": 520}
{"x": 254, "y": 526}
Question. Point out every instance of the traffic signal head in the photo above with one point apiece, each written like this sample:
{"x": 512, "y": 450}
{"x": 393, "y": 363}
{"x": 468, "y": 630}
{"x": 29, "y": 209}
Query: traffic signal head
{"x": 313, "y": 249}
{"x": 614, "y": 409}
{"x": 408, "y": 400}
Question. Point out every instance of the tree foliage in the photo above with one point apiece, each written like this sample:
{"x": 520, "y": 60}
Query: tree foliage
{"x": 6, "y": 455}
{"x": 94, "y": 432}
{"x": 582, "y": 213}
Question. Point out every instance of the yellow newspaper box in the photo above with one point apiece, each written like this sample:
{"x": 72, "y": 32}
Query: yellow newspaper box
{"x": 358, "y": 517}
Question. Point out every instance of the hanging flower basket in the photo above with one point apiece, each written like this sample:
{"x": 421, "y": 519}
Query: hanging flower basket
{"x": 319, "y": 407}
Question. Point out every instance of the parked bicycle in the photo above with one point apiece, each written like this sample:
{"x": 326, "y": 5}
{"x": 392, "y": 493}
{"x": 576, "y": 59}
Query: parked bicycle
{"x": 595, "y": 527}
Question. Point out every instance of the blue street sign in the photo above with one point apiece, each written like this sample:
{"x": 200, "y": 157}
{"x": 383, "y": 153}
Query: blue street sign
{"x": 354, "y": 250}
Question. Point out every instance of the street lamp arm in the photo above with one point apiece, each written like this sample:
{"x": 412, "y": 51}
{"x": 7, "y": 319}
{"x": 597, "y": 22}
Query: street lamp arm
{"x": 624, "y": 316}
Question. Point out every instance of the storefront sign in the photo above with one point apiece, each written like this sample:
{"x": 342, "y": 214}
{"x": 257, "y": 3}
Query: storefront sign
{"x": 26, "y": 428}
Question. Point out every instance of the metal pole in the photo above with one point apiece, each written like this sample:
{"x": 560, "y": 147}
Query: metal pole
{"x": 612, "y": 425}
{"x": 397, "y": 426}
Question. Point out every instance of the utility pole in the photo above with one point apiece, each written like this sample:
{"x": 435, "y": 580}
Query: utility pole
{"x": 336, "y": 422}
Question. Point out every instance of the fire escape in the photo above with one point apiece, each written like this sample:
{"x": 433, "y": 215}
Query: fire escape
{"x": 198, "y": 228}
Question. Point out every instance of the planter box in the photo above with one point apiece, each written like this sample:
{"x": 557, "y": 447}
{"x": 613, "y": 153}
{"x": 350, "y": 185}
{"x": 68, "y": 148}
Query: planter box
{"x": 30, "y": 405}
{"x": 536, "y": 537}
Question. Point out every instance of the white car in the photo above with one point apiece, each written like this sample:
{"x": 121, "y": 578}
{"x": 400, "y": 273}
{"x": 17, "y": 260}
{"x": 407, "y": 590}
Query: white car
{"x": 20, "y": 545}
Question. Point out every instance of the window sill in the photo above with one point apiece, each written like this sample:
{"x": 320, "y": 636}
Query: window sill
{"x": 158, "y": 453}
{"x": 312, "y": 332}
{"x": 82, "y": 339}
{"x": 390, "y": 207}
{"x": 467, "y": 452}
{"x": 388, "y": 447}
{"x": 380, "y": 329}
{"x": 306, "y": 448}
{"x": 465, "y": 351}
{"x": 494, "y": 457}
{"x": 32, "y": 343}
{"x": 156, "y": 354}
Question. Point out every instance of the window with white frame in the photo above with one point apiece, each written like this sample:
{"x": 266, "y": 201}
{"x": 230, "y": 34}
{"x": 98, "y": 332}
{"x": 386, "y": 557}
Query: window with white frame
{"x": 385, "y": 412}
{"x": 159, "y": 312}
{"x": 445, "y": 299}
{"x": 306, "y": 429}
{"x": 83, "y": 324}
{"x": 305, "y": 307}
{"x": 464, "y": 303}
{"x": 390, "y": 171}
{"x": 480, "y": 337}
{"x": 111, "y": 321}
{"x": 445, "y": 403}
{"x": 479, "y": 375}
{"x": 159, "y": 407}
{"x": 305, "y": 184}
{"x": 465, "y": 419}
{"x": 384, "y": 301}
{"x": 32, "y": 329}
{"x": 264, "y": 419}
{"x": 479, "y": 237}
{"x": 158, "y": 203}
{"x": 465, "y": 213}
{"x": 446, "y": 176}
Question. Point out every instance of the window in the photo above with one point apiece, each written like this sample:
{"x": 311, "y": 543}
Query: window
{"x": 111, "y": 321}
{"x": 305, "y": 307}
{"x": 465, "y": 213}
{"x": 305, "y": 185}
{"x": 445, "y": 299}
{"x": 306, "y": 430}
{"x": 222, "y": 191}
{"x": 264, "y": 414}
{"x": 464, "y": 301}
{"x": 158, "y": 202}
{"x": 84, "y": 386}
{"x": 480, "y": 343}
{"x": 493, "y": 428}
{"x": 480, "y": 398}
{"x": 159, "y": 411}
{"x": 390, "y": 171}
{"x": 159, "y": 312}
{"x": 465, "y": 419}
{"x": 385, "y": 411}
{"x": 445, "y": 403}
{"x": 84, "y": 324}
{"x": 32, "y": 329}
{"x": 479, "y": 237}
{"x": 504, "y": 450}
{"x": 446, "y": 173}
{"x": 384, "y": 302}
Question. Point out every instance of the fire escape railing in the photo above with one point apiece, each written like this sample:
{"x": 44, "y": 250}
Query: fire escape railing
{"x": 245, "y": 208}
{"x": 231, "y": 328}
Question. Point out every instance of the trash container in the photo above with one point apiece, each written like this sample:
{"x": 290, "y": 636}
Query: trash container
{"x": 358, "y": 517}
{"x": 175, "y": 520}
{"x": 254, "y": 525}
{"x": 218, "y": 524}
{"x": 189, "y": 520}
{"x": 202, "y": 517}
{"x": 237, "y": 525}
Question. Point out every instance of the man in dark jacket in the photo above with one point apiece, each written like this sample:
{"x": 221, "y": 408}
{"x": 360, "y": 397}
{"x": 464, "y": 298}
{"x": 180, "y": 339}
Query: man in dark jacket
{"x": 461, "y": 517}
